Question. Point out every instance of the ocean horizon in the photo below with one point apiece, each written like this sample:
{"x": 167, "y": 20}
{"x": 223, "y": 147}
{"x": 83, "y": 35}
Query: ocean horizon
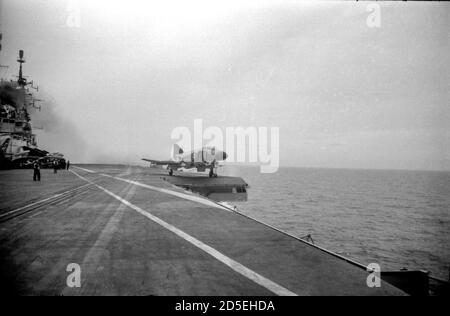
{"x": 396, "y": 218}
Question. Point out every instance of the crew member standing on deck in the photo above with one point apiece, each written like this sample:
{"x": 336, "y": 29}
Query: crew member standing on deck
{"x": 55, "y": 166}
{"x": 68, "y": 164}
{"x": 37, "y": 172}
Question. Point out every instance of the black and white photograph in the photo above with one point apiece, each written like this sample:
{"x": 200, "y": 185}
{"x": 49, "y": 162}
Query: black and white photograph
{"x": 222, "y": 154}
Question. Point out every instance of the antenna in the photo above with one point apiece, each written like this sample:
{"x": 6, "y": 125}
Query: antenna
{"x": 21, "y": 81}
{"x": 1, "y": 37}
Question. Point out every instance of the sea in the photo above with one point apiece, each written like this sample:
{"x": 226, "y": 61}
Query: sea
{"x": 397, "y": 219}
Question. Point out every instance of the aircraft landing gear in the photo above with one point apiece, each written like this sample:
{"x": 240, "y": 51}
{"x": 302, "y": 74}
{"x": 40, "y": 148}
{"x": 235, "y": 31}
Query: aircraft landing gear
{"x": 170, "y": 172}
{"x": 212, "y": 174}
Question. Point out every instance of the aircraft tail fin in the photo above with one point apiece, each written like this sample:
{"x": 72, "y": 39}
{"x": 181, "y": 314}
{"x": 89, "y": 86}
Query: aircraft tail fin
{"x": 177, "y": 150}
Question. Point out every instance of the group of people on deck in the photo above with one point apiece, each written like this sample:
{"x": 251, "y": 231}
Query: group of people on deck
{"x": 55, "y": 165}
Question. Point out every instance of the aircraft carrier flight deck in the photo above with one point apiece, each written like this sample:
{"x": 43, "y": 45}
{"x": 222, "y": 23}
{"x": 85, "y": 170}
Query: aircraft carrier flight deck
{"x": 133, "y": 233}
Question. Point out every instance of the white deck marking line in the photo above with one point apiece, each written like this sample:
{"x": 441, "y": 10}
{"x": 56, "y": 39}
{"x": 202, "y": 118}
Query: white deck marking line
{"x": 30, "y": 205}
{"x": 234, "y": 265}
{"x": 40, "y": 201}
{"x": 87, "y": 170}
{"x": 192, "y": 198}
{"x": 30, "y": 217}
{"x": 99, "y": 249}
{"x": 34, "y": 215}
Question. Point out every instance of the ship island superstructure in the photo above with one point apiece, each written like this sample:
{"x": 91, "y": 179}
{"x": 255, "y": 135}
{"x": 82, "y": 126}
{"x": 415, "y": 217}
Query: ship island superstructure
{"x": 18, "y": 143}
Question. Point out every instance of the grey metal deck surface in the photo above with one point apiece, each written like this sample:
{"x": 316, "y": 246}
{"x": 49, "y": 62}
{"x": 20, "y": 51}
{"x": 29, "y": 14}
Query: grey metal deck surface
{"x": 133, "y": 233}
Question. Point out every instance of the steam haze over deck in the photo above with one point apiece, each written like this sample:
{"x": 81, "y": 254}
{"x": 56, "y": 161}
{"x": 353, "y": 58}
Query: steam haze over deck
{"x": 344, "y": 95}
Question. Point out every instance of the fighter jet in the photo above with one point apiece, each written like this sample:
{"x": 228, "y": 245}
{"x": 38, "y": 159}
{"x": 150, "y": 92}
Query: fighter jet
{"x": 202, "y": 159}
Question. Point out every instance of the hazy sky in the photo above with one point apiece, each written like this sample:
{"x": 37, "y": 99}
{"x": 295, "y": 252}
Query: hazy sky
{"x": 342, "y": 94}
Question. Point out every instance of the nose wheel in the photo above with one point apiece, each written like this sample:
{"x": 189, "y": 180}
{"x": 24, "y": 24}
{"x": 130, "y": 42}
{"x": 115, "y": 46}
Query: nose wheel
{"x": 212, "y": 174}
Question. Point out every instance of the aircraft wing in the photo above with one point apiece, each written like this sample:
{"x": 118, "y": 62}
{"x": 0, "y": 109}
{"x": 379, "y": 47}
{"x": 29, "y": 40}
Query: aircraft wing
{"x": 161, "y": 162}
{"x": 38, "y": 159}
